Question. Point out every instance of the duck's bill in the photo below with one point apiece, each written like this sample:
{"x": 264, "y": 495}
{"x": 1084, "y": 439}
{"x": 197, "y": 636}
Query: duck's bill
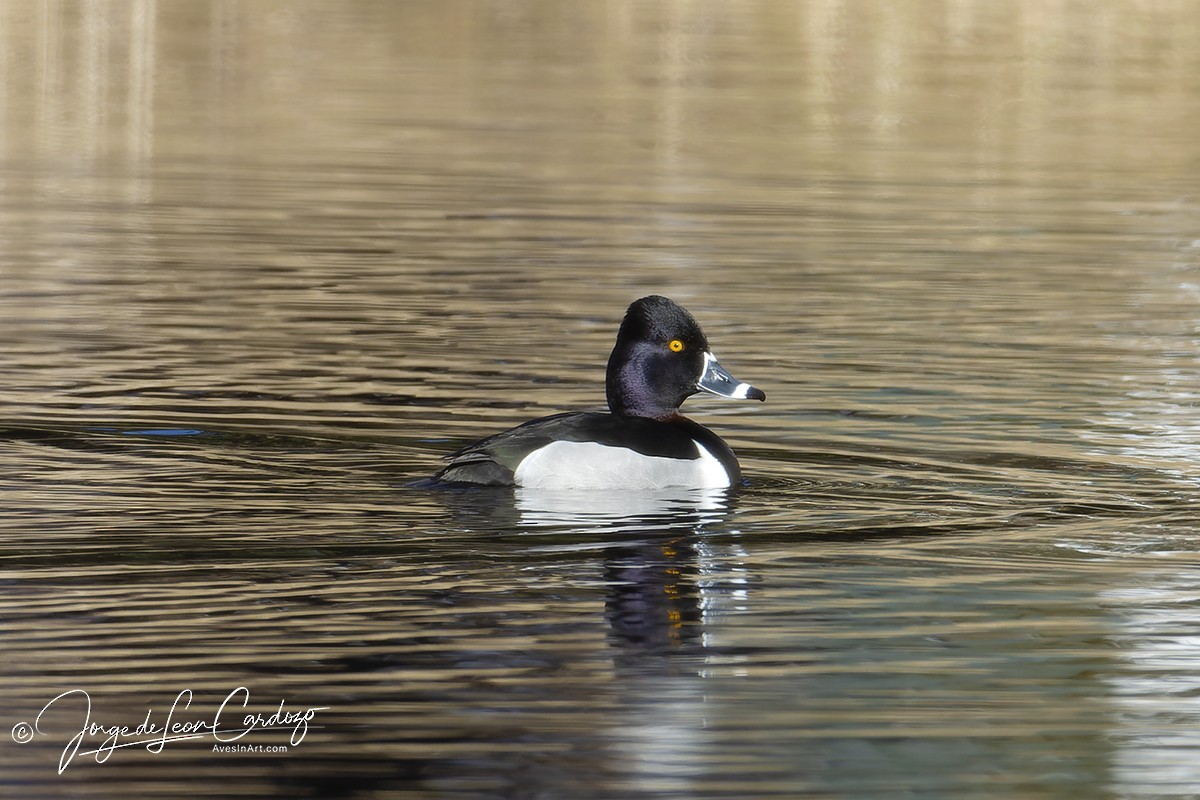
{"x": 716, "y": 380}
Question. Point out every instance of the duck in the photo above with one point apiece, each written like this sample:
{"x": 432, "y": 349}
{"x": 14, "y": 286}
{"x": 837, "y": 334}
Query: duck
{"x": 660, "y": 359}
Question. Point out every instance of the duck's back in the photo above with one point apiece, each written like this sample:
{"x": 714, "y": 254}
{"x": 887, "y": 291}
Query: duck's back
{"x": 597, "y": 451}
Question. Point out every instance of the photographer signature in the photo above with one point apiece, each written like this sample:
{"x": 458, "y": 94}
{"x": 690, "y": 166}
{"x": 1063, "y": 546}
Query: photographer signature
{"x": 226, "y": 725}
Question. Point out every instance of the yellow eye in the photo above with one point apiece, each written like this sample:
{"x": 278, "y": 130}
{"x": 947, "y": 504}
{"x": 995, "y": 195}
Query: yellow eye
{"x": 676, "y": 346}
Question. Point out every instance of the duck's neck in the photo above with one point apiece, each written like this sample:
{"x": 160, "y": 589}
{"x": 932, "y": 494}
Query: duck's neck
{"x": 622, "y": 392}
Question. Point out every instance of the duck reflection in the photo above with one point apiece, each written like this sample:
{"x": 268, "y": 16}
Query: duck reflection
{"x": 481, "y": 694}
{"x": 654, "y": 601}
{"x": 658, "y": 588}
{"x": 669, "y": 569}
{"x": 655, "y": 511}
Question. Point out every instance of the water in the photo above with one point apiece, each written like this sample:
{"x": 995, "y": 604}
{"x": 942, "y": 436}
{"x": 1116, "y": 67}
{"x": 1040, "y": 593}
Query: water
{"x": 264, "y": 263}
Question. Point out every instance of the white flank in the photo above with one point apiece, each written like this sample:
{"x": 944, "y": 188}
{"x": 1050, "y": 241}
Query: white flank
{"x": 589, "y": 465}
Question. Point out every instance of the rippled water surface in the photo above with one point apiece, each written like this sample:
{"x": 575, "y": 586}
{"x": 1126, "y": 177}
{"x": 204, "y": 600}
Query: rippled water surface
{"x": 263, "y": 263}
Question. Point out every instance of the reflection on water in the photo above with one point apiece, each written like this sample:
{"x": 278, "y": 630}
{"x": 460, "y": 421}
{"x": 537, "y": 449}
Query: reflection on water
{"x": 612, "y": 511}
{"x": 1161, "y": 686}
{"x": 264, "y": 263}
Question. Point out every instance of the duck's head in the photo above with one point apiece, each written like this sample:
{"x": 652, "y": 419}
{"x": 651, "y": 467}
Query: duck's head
{"x": 661, "y": 358}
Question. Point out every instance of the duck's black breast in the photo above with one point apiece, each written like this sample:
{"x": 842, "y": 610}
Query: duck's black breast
{"x": 496, "y": 460}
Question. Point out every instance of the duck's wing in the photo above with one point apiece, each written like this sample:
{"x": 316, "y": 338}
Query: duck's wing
{"x": 492, "y": 461}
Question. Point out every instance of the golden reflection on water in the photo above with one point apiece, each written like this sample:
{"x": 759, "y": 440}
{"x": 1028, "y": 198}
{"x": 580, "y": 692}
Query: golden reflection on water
{"x": 1021, "y": 86}
{"x": 263, "y": 262}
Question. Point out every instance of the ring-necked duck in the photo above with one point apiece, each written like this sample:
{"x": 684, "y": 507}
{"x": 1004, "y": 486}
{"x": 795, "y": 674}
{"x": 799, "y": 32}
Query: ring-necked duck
{"x": 660, "y": 359}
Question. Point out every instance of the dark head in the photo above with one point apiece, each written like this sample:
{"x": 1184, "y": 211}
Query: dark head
{"x": 661, "y": 358}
